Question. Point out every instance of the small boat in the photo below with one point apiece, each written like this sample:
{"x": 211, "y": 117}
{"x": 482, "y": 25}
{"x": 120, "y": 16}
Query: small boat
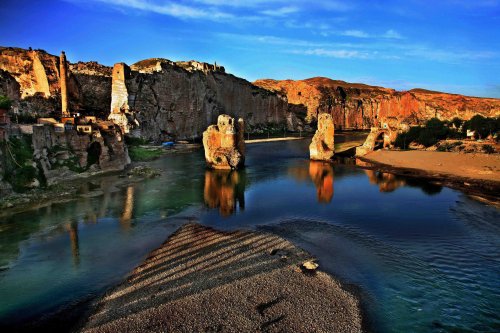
{"x": 168, "y": 144}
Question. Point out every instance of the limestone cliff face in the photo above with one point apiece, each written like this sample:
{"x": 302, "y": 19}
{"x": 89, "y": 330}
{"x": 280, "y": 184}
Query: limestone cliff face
{"x": 163, "y": 99}
{"x": 355, "y": 105}
{"x": 37, "y": 74}
{"x": 171, "y": 101}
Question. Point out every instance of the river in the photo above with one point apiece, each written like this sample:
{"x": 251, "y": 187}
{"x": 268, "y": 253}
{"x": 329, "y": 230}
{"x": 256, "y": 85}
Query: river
{"x": 422, "y": 258}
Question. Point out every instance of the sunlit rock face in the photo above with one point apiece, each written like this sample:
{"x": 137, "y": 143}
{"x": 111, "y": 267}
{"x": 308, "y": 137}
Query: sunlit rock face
{"x": 38, "y": 77}
{"x": 224, "y": 144}
{"x": 355, "y": 105}
{"x": 224, "y": 190}
{"x": 179, "y": 101}
{"x": 159, "y": 99}
{"x": 322, "y": 145}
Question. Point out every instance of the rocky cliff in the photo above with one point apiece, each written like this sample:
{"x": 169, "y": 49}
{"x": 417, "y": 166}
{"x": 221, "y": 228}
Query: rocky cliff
{"x": 164, "y": 98}
{"x": 37, "y": 88}
{"x": 355, "y": 105}
{"x": 176, "y": 101}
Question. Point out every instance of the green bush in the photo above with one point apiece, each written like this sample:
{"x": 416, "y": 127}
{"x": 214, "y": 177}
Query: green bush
{"x": 433, "y": 131}
{"x": 482, "y": 126}
{"x": 5, "y": 102}
{"x": 139, "y": 154}
{"x": 457, "y": 122}
{"x": 132, "y": 141}
{"x": 404, "y": 139}
{"x": 22, "y": 177}
{"x": 427, "y": 138}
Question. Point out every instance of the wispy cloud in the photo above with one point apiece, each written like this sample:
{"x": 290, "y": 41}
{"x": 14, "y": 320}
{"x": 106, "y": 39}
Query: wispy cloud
{"x": 355, "y": 33}
{"x": 280, "y": 12}
{"x": 171, "y": 9}
{"x": 343, "y": 54}
{"x": 389, "y": 34}
{"x": 392, "y": 34}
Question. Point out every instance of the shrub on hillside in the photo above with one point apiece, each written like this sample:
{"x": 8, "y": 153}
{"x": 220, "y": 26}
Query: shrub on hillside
{"x": 482, "y": 126}
{"x": 5, "y": 102}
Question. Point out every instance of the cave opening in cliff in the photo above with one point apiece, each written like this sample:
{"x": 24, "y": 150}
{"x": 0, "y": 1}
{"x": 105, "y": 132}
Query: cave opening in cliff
{"x": 94, "y": 152}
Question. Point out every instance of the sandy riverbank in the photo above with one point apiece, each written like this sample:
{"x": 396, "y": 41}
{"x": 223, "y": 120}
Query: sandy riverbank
{"x": 203, "y": 280}
{"x": 475, "y": 174}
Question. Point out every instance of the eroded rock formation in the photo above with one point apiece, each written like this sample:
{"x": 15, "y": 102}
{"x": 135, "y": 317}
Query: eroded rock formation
{"x": 38, "y": 76}
{"x": 322, "y": 146}
{"x": 159, "y": 99}
{"x": 224, "y": 143}
{"x": 62, "y": 155}
{"x": 355, "y": 105}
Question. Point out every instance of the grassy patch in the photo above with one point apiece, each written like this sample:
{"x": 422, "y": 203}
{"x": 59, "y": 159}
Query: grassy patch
{"x": 141, "y": 154}
{"x": 131, "y": 141}
{"x": 18, "y": 171}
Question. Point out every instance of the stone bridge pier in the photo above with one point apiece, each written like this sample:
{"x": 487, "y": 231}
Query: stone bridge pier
{"x": 378, "y": 138}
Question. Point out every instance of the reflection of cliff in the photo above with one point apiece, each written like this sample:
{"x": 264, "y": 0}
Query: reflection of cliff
{"x": 386, "y": 182}
{"x": 322, "y": 176}
{"x": 224, "y": 190}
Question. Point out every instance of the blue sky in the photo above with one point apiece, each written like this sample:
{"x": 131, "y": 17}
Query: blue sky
{"x": 446, "y": 45}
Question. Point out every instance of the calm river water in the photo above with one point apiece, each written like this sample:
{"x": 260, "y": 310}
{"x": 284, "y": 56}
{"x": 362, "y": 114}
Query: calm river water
{"x": 423, "y": 258}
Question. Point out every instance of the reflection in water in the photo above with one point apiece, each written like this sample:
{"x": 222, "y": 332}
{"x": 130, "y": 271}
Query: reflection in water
{"x": 386, "y": 182}
{"x": 322, "y": 175}
{"x": 224, "y": 190}
{"x": 426, "y": 262}
{"x": 128, "y": 209}
{"x": 73, "y": 236}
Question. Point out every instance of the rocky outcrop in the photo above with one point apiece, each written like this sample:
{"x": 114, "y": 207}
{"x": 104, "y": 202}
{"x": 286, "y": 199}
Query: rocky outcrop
{"x": 172, "y": 102}
{"x": 361, "y": 106}
{"x": 38, "y": 75}
{"x": 224, "y": 143}
{"x": 322, "y": 146}
{"x": 63, "y": 155}
{"x": 159, "y": 99}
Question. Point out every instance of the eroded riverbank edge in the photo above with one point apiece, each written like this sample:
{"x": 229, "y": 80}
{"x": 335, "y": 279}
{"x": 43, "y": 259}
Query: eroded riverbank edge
{"x": 202, "y": 279}
{"x": 484, "y": 190}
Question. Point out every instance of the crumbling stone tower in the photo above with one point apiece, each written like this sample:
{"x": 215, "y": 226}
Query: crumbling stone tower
{"x": 119, "y": 96}
{"x": 64, "y": 84}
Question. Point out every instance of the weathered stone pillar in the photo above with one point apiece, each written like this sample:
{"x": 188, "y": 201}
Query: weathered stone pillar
{"x": 224, "y": 144}
{"x": 322, "y": 146}
{"x": 119, "y": 96}
{"x": 64, "y": 84}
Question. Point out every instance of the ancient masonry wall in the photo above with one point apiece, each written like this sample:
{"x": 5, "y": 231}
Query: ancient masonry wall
{"x": 119, "y": 93}
{"x": 119, "y": 96}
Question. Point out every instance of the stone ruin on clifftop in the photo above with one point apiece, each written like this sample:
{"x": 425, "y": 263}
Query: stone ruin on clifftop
{"x": 322, "y": 145}
{"x": 224, "y": 144}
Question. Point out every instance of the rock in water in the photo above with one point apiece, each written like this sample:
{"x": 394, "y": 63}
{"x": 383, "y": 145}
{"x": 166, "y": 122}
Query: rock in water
{"x": 322, "y": 145}
{"x": 224, "y": 143}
